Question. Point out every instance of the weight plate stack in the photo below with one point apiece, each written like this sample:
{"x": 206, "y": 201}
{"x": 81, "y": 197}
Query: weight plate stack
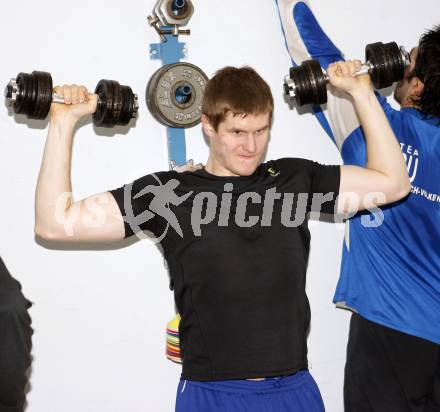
{"x": 116, "y": 104}
{"x": 104, "y": 90}
{"x": 387, "y": 63}
{"x": 34, "y": 95}
{"x": 129, "y": 107}
{"x": 310, "y": 83}
{"x": 397, "y": 59}
{"x": 44, "y": 88}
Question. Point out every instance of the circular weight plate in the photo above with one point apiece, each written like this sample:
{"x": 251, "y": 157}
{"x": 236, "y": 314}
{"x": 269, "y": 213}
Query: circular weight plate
{"x": 381, "y": 72}
{"x": 27, "y": 95}
{"x": 389, "y": 66}
{"x": 174, "y": 95}
{"x": 372, "y": 55}
{"x": 128, "y": 108}
{"x": 23, "y": 85}
{"x": 43, "y": 100}
{"x": 115, "y": 104}
{"x": 33, "y": 102}
{"x": 20, "y": 103}
{"x": 36, "y": 98}
{"x": 102, "y": 115}
{"x": 318, "y": 83}
{"x": 124, "y": 116}
{"x": 310, "y": 83}
{"x": 397, "y": 61}
{"x": 302, "y": 86}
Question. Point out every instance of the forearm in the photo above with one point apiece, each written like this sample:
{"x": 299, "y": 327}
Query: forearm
{"x": 383, "y": 150}
{"x": 52, "y": 196}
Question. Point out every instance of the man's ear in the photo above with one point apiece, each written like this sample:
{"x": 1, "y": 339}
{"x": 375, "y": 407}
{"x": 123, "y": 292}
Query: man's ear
{"x": 417, "y": 87}
{"x": 207, "y": 127}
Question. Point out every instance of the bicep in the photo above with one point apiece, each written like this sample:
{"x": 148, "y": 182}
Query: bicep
{"x": 96, "y": 218}
{"x": 363, "y": 188}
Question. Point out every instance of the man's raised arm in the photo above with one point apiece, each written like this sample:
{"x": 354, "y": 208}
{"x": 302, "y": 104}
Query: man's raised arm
{"x": 385, "y": 178}
{"x": 57, "y": 216}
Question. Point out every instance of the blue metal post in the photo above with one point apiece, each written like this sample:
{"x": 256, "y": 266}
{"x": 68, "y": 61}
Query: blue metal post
{"x": 172, "y": 51}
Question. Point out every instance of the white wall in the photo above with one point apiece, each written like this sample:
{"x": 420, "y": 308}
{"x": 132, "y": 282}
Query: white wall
{"x": 100, "y": 313}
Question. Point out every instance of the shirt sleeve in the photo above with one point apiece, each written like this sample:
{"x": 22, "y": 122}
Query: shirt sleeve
{"x": 133, "y": 200}
{"x": 324, "y": 188}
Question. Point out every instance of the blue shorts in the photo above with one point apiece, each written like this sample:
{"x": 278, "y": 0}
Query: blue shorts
{"x": 297, "y": 392}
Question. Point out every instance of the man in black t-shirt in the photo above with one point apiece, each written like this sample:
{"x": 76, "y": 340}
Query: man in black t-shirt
{"x": 234, "y": 234}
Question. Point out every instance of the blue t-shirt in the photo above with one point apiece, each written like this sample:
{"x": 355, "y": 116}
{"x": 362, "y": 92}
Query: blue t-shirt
{"x": 390, "y": 273}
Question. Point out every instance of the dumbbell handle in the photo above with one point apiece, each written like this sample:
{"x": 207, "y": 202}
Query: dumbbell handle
{"x": 291, "y": 86}
{"x": 12, "y": 91}
{"x": 364, "y": 69}
{"x": 57, "y": 99}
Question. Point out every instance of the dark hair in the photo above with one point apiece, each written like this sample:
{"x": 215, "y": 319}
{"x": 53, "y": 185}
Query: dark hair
{"x": 427, "y": 69}
{"x": 236, "y": 90}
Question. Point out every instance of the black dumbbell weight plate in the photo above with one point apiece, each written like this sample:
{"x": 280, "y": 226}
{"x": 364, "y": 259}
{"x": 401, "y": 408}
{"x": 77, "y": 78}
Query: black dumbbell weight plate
{"x": 127, "y": 105}
{"x": 318, "y": 83}
{"x": 34, "y": 94}
{"x": 398, "y": 63}
{"x": 310, "y": 82}
{"x": 43, "y": 98}
{"x": 116, "y": 104}
{"x": 374, "y": 55}
{"x": 302, "y": 85}
{"x": 382, "y": 71}
{"x": 21, "y": 104}
{"x": 102, "y": 115}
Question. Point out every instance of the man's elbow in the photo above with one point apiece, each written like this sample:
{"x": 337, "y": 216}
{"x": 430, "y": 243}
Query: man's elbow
{"x": 406, "y": 187}
{"x": 46, "y": 233}
{"x": 401, "y": 190}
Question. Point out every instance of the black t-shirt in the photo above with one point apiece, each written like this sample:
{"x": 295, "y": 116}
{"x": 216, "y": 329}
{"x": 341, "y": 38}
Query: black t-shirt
{"x": 237, "y": 250}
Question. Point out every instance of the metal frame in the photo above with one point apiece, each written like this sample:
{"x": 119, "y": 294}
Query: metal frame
{"x": 170, "y": 50}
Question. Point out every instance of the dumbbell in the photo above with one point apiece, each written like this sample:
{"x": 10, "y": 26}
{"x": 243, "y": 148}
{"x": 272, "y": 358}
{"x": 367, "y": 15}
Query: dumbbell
{"x": 32, "y": 94}
{"x": 385, "y": 63}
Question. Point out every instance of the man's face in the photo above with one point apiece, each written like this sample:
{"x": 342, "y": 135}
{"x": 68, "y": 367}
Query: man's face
{"x": 239, "y": 144}
{"x": 404, "y": 89}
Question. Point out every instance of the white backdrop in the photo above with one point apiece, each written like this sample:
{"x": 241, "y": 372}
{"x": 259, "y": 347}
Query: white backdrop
{"x": 99, "y": 313}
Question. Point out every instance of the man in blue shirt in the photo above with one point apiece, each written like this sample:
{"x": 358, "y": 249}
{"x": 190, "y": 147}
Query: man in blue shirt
{"x": 390, "y": 272}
